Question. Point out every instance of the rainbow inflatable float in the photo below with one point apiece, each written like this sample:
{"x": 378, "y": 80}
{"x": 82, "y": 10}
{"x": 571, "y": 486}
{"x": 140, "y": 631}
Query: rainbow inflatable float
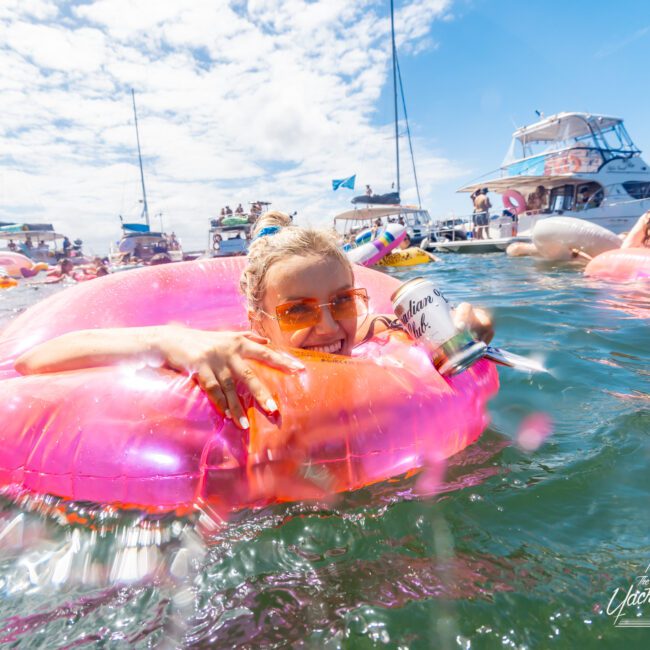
{"x": 148, "y": 438}
{"x": 371, "y": 252}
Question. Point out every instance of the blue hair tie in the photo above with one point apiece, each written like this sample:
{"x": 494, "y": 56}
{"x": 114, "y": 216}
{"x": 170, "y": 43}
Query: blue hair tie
{"x": 268, "y": 230}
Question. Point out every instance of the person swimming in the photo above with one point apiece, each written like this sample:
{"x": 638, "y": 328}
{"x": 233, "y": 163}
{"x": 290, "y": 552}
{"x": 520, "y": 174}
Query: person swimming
{"x": 300, "y": 293}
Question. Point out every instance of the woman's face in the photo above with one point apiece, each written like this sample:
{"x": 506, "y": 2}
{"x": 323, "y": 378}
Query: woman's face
{"x": 319, "y": 278}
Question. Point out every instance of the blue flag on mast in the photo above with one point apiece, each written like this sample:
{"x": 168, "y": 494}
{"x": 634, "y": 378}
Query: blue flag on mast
{"x": 344, "y": 182}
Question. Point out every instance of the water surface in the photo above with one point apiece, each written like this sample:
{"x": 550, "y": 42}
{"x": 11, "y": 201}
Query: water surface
{"x": 518, "y": 550}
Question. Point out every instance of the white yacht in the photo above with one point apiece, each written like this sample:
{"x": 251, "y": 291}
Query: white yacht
{"x": 588, "y": 165}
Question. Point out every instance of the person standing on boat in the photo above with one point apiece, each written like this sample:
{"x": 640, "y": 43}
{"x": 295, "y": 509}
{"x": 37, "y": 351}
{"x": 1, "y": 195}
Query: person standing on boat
{"x": 368, "y": 190}
{"x": 536, "y": 201}
{"x": 482, "y": 207}
{"x": 583, "y": 199}
{"x": 239, "y": 209}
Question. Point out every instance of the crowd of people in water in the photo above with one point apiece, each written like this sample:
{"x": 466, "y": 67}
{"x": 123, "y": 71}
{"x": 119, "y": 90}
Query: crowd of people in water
{"x": 69, "y": 266}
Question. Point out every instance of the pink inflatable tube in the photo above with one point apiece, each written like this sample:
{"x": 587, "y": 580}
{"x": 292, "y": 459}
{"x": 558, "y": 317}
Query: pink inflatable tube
{"x": 13, "y": 263}
{"x": 621, "y": 265}
{"x": 148, "y": 438}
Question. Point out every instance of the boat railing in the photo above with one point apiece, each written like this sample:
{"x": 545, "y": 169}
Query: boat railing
{"x": 451, "y": 227}
{"x": 462, "y": 227}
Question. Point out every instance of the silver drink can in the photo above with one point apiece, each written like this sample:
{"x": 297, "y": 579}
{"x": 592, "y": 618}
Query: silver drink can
{"x": 426, "y": 314}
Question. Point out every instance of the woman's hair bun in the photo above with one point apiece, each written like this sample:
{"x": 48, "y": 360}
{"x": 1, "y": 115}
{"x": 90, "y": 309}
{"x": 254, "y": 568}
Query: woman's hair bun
{"x": 271, "y": 219}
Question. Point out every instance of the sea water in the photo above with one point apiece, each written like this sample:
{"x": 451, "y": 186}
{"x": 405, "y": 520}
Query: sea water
{"x": 515, "y": 548}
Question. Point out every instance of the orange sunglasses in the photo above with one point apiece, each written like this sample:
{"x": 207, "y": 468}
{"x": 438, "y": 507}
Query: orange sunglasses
{"x": 306, "y": 312}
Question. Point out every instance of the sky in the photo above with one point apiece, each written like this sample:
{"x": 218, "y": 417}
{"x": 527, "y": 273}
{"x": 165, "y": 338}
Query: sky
{"x": 243, "y": 100}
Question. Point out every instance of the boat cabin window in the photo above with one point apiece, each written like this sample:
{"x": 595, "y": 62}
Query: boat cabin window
{"x": 588, "y": 195}
{"x": 637, "y": 189}
{"x": 561, "y": 198}
{"x": 617, "y": 140}
{"x": 418, "y": 219}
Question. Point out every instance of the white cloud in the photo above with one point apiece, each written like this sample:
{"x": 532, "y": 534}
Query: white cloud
{"x": 33, "y": 9}
{"x": 237, "y": 101}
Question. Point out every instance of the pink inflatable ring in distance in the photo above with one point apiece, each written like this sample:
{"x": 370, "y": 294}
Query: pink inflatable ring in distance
{"x": 13, "y": 263}
{"x": 621, "y": 265}
{"x": 149, "y": 438}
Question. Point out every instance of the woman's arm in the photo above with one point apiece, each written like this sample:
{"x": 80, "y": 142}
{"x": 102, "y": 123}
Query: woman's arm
{"x": 217, "y": 360}
{"x": 431, "y": 256}
{"x": 92, "y": 348}
{"x": 576, "y": 252}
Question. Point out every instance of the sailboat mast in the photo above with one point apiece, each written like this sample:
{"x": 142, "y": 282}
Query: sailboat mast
{"x": 145, "y": 207}
{"x": 408, "y": 131}
{"x": 392, "y": 35}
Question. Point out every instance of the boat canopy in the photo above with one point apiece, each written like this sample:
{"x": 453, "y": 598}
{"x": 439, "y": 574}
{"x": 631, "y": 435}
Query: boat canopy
{"x": 562, "y": 131}
{"x": 565, "y": 126}
{"x": 557, "y": 148}
{"x": 377, "y": 212}
{"x": 392, "y": 198}
{"x": 135, "y": 227}
{"x": 523, "y": 183}
{"x": 37, "y": 231}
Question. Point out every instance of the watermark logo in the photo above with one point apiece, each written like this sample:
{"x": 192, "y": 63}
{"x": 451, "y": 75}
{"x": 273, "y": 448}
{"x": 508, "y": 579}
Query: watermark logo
{"x": 625, "y": 606}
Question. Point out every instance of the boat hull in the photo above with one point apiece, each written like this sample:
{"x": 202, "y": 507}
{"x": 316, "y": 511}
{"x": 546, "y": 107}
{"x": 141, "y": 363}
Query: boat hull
{"x": 475, "y": 245}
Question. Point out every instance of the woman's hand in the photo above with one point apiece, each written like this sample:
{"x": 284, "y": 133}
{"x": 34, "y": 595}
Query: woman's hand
{"x": 475, "y": 319}
{"x": 217, "y": 360}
